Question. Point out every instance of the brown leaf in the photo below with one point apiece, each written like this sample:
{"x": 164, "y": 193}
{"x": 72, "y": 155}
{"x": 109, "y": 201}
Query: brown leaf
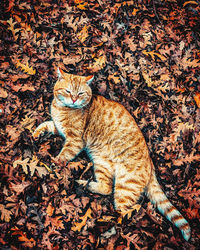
{"x": 83, "y": 34}
{"x": 197, "y": 99}
{"x": 23, "y": 88}
{"x": 23, "y": 238}
{"x": 78, "y": 225}
{"x": 19, "y": 188}
{"x": 3, "y": 93}
{"x": 5, "y": 213}
{"x": 50, "y": 209}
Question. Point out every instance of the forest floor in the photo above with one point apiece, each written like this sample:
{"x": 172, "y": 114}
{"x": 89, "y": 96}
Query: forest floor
{"x": 145, "y": 55}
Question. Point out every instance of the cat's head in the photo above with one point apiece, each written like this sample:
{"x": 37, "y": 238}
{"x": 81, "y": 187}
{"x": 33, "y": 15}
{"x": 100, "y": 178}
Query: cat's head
{"x": 72, "y": 90}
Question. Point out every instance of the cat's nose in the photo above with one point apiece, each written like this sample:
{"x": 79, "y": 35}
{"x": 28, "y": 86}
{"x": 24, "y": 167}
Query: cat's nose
{"x": 74, "y": 99}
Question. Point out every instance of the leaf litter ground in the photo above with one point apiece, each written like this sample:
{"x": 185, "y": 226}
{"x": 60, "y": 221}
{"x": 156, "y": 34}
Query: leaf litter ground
{"x": 145, "y": 55}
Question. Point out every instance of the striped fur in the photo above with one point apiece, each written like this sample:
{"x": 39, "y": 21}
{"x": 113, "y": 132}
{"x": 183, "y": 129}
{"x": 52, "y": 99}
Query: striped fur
{"x": 114, "y": 142}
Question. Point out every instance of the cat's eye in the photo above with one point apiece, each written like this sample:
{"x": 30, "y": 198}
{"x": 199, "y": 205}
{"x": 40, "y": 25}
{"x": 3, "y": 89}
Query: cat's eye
{"x": 80, "y": 93}
{"x": 67, "y": 91}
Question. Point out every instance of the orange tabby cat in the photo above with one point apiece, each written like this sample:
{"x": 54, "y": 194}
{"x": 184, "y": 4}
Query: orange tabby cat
{"x": 114, "y": 142}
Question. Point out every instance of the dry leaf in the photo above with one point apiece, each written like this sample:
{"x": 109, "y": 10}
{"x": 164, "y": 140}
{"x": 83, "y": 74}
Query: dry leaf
{"x": 153, "y": 54}
{"x": 78, "y": 225}
{"x": 25, "y": 67}
{"x": 19, "y": 188}
{"x": 5, "y": 213}
{"x": 197, "y": 99}
{"x": 23, "y": 237}
{"x": 190, "y": 2}
{"x": 50, "y": 209}
{"x": 83, "y": 34}
{"x": 3, "y": 93}
{"x": 99, "y": 63}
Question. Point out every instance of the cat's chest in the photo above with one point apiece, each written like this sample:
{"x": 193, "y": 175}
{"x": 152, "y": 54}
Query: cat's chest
{"x": 59, "y": 125}
{"x": 67, "y": 120}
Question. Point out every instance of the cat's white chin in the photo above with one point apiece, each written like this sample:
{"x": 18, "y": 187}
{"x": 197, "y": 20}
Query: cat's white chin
{"x": 75, "y": 106}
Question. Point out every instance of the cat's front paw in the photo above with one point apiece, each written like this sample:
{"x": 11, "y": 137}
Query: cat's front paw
{"x": 38, "y": 131}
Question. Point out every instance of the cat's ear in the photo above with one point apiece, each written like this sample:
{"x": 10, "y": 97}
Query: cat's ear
{"x": 59, "y": 73}
{"x": 89, "y": 79}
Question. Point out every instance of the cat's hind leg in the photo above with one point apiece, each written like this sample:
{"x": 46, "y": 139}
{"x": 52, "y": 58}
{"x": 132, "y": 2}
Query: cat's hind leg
{"x": 127, "y": 189}
{"x": 103, "y": 178}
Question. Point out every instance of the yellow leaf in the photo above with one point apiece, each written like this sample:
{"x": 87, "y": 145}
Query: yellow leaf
{"x": 189, "y": 2}
{"x": 114, "y": 77}
{"x": 78, "y": 225}
{"x": 153, "y": 54}
{"x": 81, "y": 4}
{"x": 25, "y": 68}
{"x": 128, "y": 213}
{"x": 134, "y": 12}
{"x": 83, "y": 34}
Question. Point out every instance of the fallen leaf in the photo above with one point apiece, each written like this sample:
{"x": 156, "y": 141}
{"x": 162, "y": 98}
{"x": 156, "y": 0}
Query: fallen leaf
{"x": 190, "y": 2}
{"x": 197, "y": 99}
{"x": 50, "y": 209}
{"x": 3, "y": 93}
{"x": 28, "y": 242}
{"x": 25, "y": 67}
{"x": 83, "y": 34}
{"x": 19, "y": 188}
{"x": 5, "y": 213}
{"x": 78, "y": 225}
{"x": 153, "y": 54}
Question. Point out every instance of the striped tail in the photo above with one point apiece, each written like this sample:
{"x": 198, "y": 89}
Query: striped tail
{"x": 164, "y": 206}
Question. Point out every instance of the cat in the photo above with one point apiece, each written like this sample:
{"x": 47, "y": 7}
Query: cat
{"x": 114, "y": 142}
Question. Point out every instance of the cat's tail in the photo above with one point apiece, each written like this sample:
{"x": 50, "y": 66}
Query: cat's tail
{"x": 157, "y": 197}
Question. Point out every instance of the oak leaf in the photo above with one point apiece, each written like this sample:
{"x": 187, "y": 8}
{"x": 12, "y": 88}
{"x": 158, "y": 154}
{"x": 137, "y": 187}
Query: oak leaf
{"x": 28, "y": 121}
{"x": 20, "y": 87}
{"x": 153, "y": 54}
{"x": 3, "y": 93}
{"x": 78, "y": 225}
{"x": 25, "y": 67}
{"x": 23, "y": 237}
{"x": 12, "y": 28}
{"x": 197, "y": 99}
{"x": 23, "y": 163}
{"x": 19, "y": 188}
{"x": 56, "y": 222}
{"x": 99, "y": 63}
{"x": 5, "y": 213}
{"x": 114, "y": 77}
{"x": 31, "y": 165}
{"x": 83, "y": 34}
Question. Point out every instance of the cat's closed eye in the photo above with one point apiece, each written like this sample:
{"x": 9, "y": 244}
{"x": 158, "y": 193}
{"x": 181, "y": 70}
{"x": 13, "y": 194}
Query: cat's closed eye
{"x": 67, "y": 91}
{"x": 80, "y": 93}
